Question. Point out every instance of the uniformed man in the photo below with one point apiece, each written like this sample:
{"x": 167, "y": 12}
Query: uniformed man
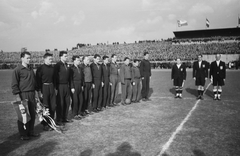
{"x": 114, "y": 74}
{"x": 76, "y": 77}
{"x": 106, "y": 81}
{"x": 217, "y": 76}
{"x": 87, "y": 86}
{"x": 46, "y": 86}
{"x": 200, "y": 75}
{"x": 145, "y": 71}
{"x": 24, "y": 86}
{"x": 136, "y": 81}
{"x": 97, "y": 76}
{"x": 62, "y": 79}
{"x": 126, "y": 80}
{"x": 178, "y": 77}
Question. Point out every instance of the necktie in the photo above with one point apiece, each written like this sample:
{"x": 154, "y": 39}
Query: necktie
{"x": 78, "y": 69}
{"x": 65, "y": 66}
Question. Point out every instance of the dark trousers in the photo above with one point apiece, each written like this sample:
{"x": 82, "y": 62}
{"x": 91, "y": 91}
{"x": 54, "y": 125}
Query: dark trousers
{"x": 49, "y": 99}
{"x": 114, "y": 88}
{"x": 63, "y": 102}
{"x": 106, "y": 94}
{"x": 136, "y": 90}
{"x": 145, "y": 86}
{"x": 126, "y": 90}
{"x": 87, "y": 96}
{"x": 77, "y": 99}
{"x": 30, "y": 96}
{"x": 97, "y": 95}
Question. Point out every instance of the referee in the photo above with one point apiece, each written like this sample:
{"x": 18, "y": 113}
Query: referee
{"x": 200, "y": 75}
{"x": 178, "y": 77}
{"x": 217, "y": 76}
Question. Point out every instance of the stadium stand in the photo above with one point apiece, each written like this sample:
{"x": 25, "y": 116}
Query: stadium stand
{"x": 185, "y": 45}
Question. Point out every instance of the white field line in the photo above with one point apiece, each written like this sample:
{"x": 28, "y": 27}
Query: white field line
{"x": 171, "y": 97}
{"x": 6, "y": 101}
{"x": 179, "y": 128}
{"x": 190, "y": 98}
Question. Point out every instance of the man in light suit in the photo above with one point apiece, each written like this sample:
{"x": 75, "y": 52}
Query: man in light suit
{"x": 114, "y": 74}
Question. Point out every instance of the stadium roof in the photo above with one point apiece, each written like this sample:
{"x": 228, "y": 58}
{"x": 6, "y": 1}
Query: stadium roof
{"x": 224, "y": 32}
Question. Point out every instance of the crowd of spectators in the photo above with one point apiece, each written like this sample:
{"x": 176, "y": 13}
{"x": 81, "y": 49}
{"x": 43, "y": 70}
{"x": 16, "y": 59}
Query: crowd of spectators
{"x": 159, "y": 51}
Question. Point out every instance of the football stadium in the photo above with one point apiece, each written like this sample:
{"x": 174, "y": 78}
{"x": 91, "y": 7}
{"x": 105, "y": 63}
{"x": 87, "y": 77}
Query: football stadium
{"x": 167, "y": 121}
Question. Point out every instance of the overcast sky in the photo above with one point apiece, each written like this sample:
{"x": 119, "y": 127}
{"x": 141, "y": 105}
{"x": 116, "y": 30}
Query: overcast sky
{"x": 61, "y": 24}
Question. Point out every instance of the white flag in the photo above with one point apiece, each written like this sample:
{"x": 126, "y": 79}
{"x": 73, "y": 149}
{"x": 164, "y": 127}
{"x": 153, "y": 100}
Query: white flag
{"x": 182, "y": 23}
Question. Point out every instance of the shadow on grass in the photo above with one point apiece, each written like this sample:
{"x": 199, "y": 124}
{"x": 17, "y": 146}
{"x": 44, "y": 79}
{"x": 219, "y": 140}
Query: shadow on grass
{"x": 197, "y": 152}
{"x": 87, "y": 152}
{"x": 125, "y": 149}
{"x": 209, "y": 93}
{"x": 45, "y": 149}
{"x": 173, "y": 91}
{"x": 165, "y": 154}
{"x": 150, "y": 92}
{"x": 192, "y": 91}
{"x": 13, "y": 142}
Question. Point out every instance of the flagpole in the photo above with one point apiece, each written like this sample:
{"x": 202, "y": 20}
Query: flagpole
{"x": 176, "y": 26}
{"x": 206, "y": 22}
{"x": 238, "y": 20}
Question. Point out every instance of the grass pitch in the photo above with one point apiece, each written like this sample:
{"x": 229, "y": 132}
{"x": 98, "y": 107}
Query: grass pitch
{"x": 211, "y": 128}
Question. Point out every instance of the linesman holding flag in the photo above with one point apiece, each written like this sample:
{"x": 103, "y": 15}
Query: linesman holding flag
{"x": 200, "y": 75}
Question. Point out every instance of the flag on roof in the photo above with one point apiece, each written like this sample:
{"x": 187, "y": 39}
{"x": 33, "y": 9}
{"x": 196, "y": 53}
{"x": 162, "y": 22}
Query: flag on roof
{"x": 182, "y": 23}
{"x": 207, "y": 23}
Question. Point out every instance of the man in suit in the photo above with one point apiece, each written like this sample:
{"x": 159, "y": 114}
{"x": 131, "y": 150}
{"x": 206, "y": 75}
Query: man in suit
{"x": 200, "y": 75}
{"x": 87, "y": 85}
{"x": 97, "y": 76}
{"x": 114, "y": 73}
{"x": 62, "y": 79}
{"x": 47, "y": 86}
{"x": 106, "y": 81}
{"x": 136, "y": 81}
{"x": 178, "y": 77}
{"x": 145, "y": 71}
{"x": 76, "y": 85}
{"x": 126, "y": 80}
{"x": 24, "y": 87}
{"x": 217, "y": 76}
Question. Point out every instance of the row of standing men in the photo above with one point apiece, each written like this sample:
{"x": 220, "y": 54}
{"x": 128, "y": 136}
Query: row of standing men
{"x": 87, "y": 87}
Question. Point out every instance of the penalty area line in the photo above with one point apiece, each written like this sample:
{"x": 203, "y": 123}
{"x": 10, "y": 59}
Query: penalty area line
{"x": 179, "y": 128}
